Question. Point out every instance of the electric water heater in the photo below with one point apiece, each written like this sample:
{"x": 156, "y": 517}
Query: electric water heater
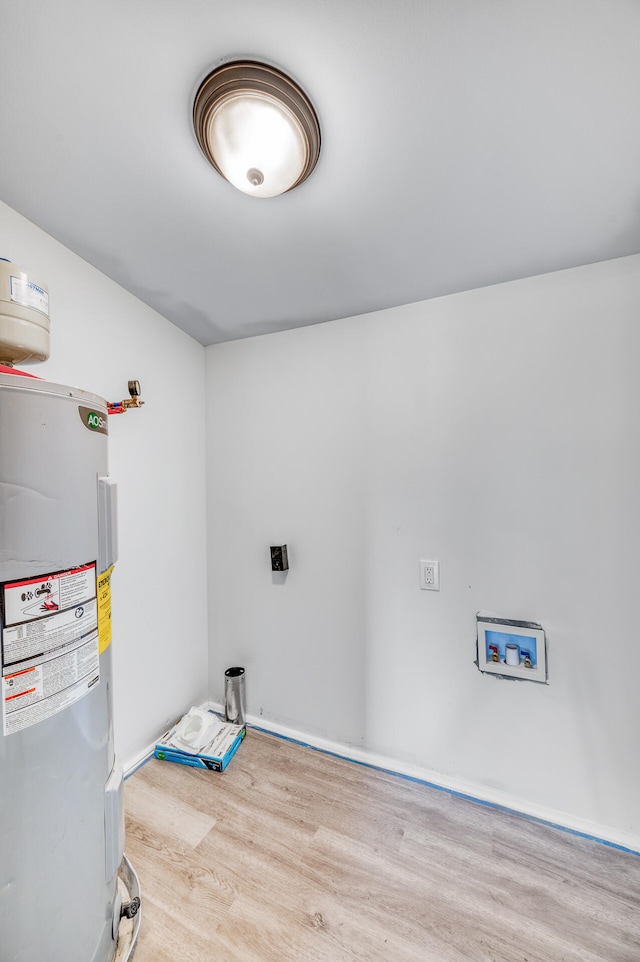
{"x": 61, "y": 787}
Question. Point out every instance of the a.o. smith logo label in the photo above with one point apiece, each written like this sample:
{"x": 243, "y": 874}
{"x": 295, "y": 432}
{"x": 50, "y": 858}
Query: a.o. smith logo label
{"x": 93, "y": 420}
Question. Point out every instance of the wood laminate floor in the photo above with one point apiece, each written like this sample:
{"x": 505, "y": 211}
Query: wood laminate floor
{"x": 294, "y": 856}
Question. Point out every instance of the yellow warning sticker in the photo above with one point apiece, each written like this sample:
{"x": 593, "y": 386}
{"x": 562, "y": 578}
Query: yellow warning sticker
{"x": 104, "y": 609}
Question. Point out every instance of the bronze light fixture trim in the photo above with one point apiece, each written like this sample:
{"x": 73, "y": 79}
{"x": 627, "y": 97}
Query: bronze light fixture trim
{"x": 256, "y": 127}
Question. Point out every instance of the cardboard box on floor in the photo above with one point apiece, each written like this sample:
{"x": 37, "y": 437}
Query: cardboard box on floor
{"x": 215, "y": 756}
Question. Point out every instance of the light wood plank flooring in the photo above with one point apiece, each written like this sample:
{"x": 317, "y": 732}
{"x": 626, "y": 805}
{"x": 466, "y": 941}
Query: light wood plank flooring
{"x": 294, "y": 856}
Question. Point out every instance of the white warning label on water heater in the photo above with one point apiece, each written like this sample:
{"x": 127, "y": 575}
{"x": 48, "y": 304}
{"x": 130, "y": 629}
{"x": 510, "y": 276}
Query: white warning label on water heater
{"x": 49, "y": 645}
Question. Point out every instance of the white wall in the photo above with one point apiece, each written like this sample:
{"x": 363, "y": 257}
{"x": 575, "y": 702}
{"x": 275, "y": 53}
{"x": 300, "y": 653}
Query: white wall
{"x": 496, "y": 431}
{"x": 101, "y": 337}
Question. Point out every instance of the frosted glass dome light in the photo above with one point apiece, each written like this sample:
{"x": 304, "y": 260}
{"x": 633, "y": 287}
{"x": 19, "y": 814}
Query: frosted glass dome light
{"x": 257, "y": 128}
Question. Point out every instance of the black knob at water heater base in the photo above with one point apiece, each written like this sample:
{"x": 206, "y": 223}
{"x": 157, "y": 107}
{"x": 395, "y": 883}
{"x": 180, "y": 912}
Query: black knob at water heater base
{"x": 279, "y": 558}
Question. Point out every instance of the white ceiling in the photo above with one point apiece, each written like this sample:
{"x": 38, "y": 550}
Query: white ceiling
{"x": 465, "y": 142}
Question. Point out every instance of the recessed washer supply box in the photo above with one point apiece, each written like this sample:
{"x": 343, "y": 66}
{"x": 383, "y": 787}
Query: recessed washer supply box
{"x": 215, "y": 756}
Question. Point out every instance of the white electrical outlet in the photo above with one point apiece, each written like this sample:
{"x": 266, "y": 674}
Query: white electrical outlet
{"x": 430, "y": 575}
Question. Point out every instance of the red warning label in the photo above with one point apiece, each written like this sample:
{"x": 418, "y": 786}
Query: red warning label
{"x": 36, "y": 597}
{"x": 49, "y": 642}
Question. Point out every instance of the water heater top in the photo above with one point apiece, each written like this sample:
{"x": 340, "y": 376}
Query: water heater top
{"x": 15, "y": 380}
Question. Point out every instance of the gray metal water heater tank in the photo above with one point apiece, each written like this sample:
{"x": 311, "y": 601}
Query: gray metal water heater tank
{"x": 61, "y": 805}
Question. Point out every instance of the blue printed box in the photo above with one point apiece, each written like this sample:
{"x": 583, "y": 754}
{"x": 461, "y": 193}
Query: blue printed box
{"x": 215, "y": 756}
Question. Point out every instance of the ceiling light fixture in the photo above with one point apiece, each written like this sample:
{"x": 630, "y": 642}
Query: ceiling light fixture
{"x": 256, "y": 127}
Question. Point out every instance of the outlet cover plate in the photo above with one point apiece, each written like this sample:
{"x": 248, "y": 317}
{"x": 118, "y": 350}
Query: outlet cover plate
{"x": 430, "y": 575}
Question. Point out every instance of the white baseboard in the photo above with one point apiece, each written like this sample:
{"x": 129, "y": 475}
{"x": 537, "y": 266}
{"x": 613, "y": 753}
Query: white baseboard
{"x": 132, "y": 765}
{"x": 480, "y": 794}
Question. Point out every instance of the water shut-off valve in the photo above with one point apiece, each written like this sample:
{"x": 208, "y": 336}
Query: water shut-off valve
{"x": 133, "y": 401}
